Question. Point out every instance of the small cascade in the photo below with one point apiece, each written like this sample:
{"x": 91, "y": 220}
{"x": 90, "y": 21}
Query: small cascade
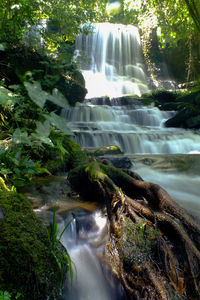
{"x": 112, "y": 62}
{"x": 135, "y": 128}
{"x": 85, "y": 240}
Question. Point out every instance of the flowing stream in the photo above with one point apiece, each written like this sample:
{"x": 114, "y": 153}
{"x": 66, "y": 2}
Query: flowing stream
{"x": 113, "y": 66}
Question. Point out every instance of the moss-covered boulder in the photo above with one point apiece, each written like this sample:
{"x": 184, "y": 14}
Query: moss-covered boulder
{"x": 63, "y": 156}
{"x": 26, "y": 263}
{"x": 72, "y": 88}
{"x": 73, "y": 155}
{"x": 113, "y": 149}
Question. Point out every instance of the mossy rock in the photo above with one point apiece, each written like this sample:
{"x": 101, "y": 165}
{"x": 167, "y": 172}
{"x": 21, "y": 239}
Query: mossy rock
{"x": 108, "y": 150}
{"x": 68, "y": 158}
{"x": 138, "y": 242}
{"x": 72, "y": 89}
{"x": 26, "y": 263}
{"x": 80, "y": 182}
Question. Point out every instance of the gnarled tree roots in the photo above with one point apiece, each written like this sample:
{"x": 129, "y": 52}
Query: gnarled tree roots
{"x": 153, "y": 244}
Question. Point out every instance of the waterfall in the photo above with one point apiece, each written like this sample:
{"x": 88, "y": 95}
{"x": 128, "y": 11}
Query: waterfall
{"x": 136, "y": 129}
{"x": 113, "y": 66}
{"x": 112, "y": 62}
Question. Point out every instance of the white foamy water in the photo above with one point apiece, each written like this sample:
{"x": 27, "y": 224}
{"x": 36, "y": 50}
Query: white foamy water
{"x": 112, "y": 61}
{"x": 136, "y": 129}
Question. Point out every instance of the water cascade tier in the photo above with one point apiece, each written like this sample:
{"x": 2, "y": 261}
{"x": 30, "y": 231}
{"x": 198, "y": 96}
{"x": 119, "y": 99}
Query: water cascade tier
{"x": 137, "y": 129}
{"x": 112, "y": 62}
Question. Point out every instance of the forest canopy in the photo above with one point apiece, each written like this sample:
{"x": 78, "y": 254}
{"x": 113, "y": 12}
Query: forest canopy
{"x": 175, "y": 22}
{"x": 173, "y": 17}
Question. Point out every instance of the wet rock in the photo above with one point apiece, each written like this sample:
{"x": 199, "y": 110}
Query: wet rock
{"x": 179, "y": 120}
{"x": 121, "y": 162}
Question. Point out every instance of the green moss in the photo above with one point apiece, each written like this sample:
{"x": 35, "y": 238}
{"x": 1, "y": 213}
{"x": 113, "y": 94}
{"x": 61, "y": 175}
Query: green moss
{"x": 117, "y": 175}
{"x": 94, "y": 172}
{"x": 114, "y": 149}
{"x": 86, "y": 178}
{"x": 26, "y": 263}
{"x": 77, "y": 156}
{"x": 64, "y": 156}
{"x": 138, "y": 241}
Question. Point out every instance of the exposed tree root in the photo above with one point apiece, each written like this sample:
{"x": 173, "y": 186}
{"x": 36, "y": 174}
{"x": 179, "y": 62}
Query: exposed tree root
{"x": 153, "y": 244}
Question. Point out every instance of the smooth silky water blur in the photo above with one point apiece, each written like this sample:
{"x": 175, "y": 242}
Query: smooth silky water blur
{"x": 113, "y": 66}
{"x": 85, "y": 240}
{"x": 112, "y": 61}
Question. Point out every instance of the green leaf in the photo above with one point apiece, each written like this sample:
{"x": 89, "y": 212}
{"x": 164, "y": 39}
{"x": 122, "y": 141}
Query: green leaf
{"x": 42, "y": 132}
{"x": 43, "y": 129}
{"x": 59, "y": 122}
{"x": 6, "y": 97}
{"x": 5, "y": 295}
{"x": 36, "y": 93}
{"x": 3, "y": 46}
{"x": 42, "y": 139}
{"x": 21, "y": 137}
{"x": 58, "y": 99}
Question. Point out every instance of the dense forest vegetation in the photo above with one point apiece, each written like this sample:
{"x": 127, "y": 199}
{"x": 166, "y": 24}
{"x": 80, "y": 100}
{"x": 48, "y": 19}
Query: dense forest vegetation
{"x": 38, "y": 77}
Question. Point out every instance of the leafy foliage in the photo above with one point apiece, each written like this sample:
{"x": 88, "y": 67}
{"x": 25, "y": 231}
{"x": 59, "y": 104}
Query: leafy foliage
{"x": 31, "y": 18}
{"x": 4, "y": 295}
{"x": 25, "y": 134}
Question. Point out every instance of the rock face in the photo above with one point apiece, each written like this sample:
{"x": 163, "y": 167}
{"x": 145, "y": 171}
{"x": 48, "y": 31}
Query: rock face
{"x": 27, "y": 265}
{"x": 118, "y": 162}
{"x": 186, "y": 104}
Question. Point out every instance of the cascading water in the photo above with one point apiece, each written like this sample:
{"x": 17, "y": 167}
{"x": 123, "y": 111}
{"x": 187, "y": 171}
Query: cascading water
{"x": 114, "y": 67}
{"x": 135, "y": 128}
{"x": 112, "y": 61}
